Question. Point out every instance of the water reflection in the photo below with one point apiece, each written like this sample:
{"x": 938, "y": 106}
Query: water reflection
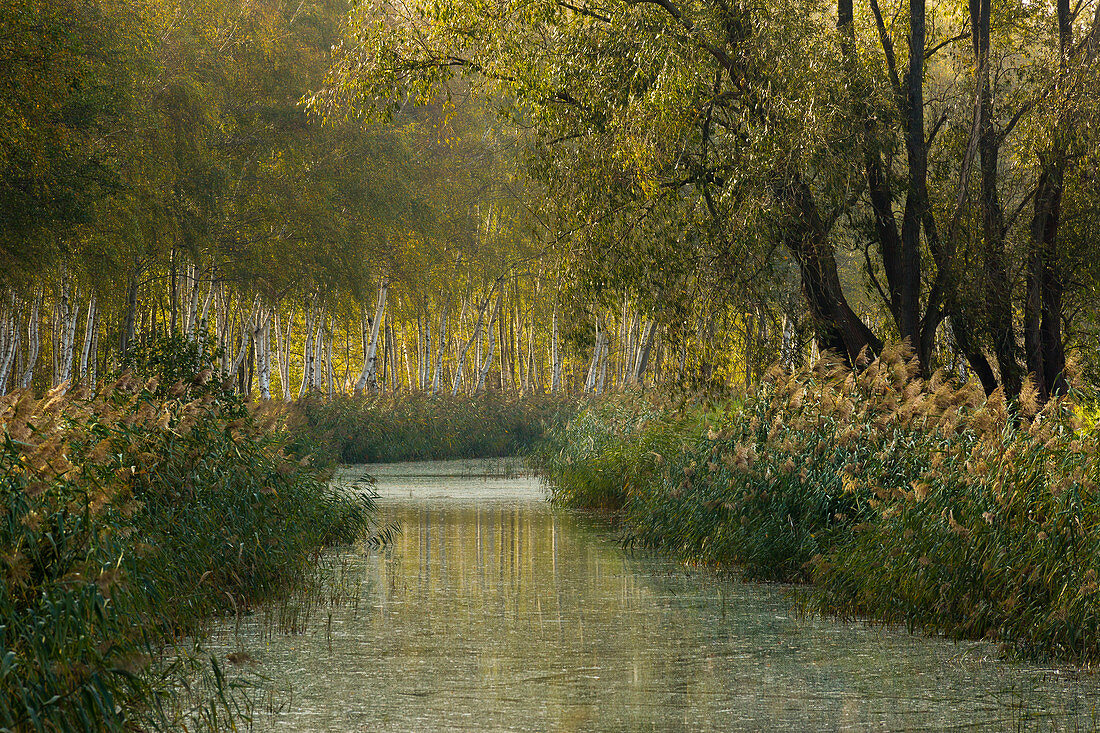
{"x": 498, "y": 613}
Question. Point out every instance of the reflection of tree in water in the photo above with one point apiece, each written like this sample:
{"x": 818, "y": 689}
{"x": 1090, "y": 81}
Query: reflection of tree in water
{"x": 497, "y": 614}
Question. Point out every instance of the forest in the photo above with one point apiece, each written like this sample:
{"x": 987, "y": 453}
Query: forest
{"x": 805, "y": 290}
{"x": 464, "y": 197}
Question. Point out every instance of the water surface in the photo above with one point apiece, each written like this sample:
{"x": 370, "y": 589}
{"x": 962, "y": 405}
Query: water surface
{"x": 493, "y": 611}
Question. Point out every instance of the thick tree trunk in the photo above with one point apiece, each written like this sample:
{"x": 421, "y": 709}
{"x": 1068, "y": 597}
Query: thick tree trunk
{"x": 1043, "y": 341}
{"x": 836, "y": 326}
{"x": 900, "y": 251}
{"x": 998, "y": 288}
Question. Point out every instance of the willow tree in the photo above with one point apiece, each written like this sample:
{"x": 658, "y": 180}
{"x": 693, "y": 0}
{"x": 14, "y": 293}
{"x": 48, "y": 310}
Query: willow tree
{"x": 730, "y": 134}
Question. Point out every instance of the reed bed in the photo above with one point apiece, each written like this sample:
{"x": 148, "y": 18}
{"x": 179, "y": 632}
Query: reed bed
{"x": 900, "y": 500}
{"x": 415, "y": 426}
{"x": 127, "y": 520}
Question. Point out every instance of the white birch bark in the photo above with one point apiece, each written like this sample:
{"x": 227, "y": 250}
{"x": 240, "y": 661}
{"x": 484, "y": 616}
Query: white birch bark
{"x": 391, "y": 348}
{"x": 307, "y": 354}
{"x": 403, "y": 335}
{"x": 484, "y": 371}
{"x": 594, "y": 364}
{"x": 555, "y": 352}
{"x": 10, "y": 342}
{"x": 246, "y": 333}
{"x": 90, "y": 327}
{"x": 94, "y": 351}
{"x": 329, "y": 328}
{"x": 532, "y": 367}
{"x": 466, "y": 349}
{"x": 282, "y": 366}
{"x": 369, "y": 375}
{"x": 192, "y": 318}
{"x": 318, "y": 353}
{"x": 262, "y": 341}
{"x": 645, "y": 346}
{"x": 421, "y": 355}
{"x": 787, "y": 344}
{"x": 68, "y": 314}
{"x": 33, "y": 342}
{"x": 199, "y": 327}
{"x": 442, "y": 339}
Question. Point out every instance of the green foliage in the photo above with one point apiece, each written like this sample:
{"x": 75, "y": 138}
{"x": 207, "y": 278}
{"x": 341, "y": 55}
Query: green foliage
{"x": 382, "y": 428}
{"x": 178, "y": 362}
{"x": 900, "y": 500}
{"x": 126, "y": 520}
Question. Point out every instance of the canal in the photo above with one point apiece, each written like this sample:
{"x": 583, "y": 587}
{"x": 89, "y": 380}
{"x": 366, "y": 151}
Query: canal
{"x": 491, "y": 610}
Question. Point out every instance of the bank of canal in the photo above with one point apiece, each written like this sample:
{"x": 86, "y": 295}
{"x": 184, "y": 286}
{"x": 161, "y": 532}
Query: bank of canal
{"x": 493, "y": 611}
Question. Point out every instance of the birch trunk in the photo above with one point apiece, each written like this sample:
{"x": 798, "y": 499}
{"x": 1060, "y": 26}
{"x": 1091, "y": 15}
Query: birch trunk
{"x": 279, "y": 353}
{"x": 262, "y": 340}
{"x": 11, "y": 343}
{"x": 442, "y": 338}
{"x": 329, "y": 327}
{"x": 33, "y": 343}
{"x": 246, "y": 332}
{"x": 90, "y": 327}
{"x": 92, "y": 374}
{"x": 641, "y": 362}
{"x": 127, "y": 332}
{"x": 285, "y": 357}
{"x": 421, "y": 359}
{"x": 67, "y": 315}
{"x": 307, "y": 354}
{"x": 369, "y": 376}
{"x": 603, "y": 368}
{"x": 405, "y": 356}
{"x": 492, "y": 344}
{"x": 391, "y": 349}
{"x": 555, "y": 352}
{"x": 200, "y": 324}
{"x": 590, "y": 382}
{"x": 318, "y": 377}
{"x": 466, "y": 349}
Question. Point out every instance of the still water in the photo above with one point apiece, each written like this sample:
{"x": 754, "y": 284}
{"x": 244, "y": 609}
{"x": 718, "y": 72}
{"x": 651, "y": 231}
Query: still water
{"x": 492, "y": 611}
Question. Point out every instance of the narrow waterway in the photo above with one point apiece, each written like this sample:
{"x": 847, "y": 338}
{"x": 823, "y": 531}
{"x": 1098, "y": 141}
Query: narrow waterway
{"x": 492, "y": 611}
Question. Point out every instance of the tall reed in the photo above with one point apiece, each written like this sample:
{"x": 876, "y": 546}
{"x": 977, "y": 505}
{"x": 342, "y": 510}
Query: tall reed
{"x": 907, "y": 501}
{"x": 126, "y": 520}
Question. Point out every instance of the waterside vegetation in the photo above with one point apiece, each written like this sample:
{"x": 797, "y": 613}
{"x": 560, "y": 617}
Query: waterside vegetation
{"x": 127, "y": 520}
{"x": 897, "y": 499}
{"x": 413, "y": 426}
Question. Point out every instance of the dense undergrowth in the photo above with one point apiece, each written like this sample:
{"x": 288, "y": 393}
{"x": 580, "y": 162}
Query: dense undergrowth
{"x": 899, "y": 500}
{"x": 407, "y": 427}
{"x": 126, "y": 520}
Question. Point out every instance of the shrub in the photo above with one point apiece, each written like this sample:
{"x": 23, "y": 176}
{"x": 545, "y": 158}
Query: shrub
{"x": 413, "y": 426}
